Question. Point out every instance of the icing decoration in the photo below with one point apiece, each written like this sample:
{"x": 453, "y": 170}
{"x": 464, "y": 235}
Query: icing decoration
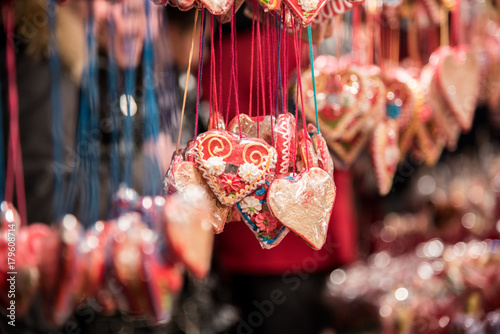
{"x": 460, "y": 95}
{"x": 189, "y": 229}
{"x": 270, "y": 4}
{"x": 284, "y": 139}
{"x": 325, "y": 161}
{"x": 304, "y": 204}
{"x": 385, "y": 153}
{"x": 256, "y": 215}
{"x": 229, "y": 187}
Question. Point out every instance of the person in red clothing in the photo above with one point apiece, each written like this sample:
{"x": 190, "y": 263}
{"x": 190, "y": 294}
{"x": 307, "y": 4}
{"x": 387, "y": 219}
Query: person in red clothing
{"x": 276, "y": 290}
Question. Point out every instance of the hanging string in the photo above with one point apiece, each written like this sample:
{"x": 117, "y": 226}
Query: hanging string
{"x": 212, "y": 74}
{"x": 220, "y": 70}
{"x": 311, "y": 56}
{"x": 251, "y": 62}
{"x": 2, "y": 151}
{"x": 278, "y": 75}
{"x": 259, "y": 72}
{"x": 187, "y": 80}
{"x": 200, "y": 68}
{"x": 285, "y": 63}
{"x": 14, "y": 161}
{"x": 297, "y": 46}
{"x": 57, "y": 123}
{"x": 269, "y": 76}
{"x": 114, "y": 107}
{"x": 151, "y": 173}
{"x": 234, "y": 53}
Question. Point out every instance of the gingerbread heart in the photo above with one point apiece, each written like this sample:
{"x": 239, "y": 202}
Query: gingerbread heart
{"x": 385, "y": 153}
{"x": 371, "y": 112}
{"x": 446, "y": 127}
{"x": 217, "y": 7}
{"x": 181, "y": 175}
{"x": 307, "y": 156}
{"x": 284, "y": 139}
{"x": 253, "y": 127}
{"x": 255, "y": 213}
{"x": 400, "y": 96}
{"x": 188, "y": 229}
{"x": 61, "y": 267}
{"x": 325, "y": 161}
{"x": 270, "y": 4}
{"x": 304, "y": 204}
{"x": 340, "y": 98}
{"x": 460, "y": 95}
{"x": 233, "y": 167}
{"x": 305, "y": 10}
{"x": 126, "y": 272}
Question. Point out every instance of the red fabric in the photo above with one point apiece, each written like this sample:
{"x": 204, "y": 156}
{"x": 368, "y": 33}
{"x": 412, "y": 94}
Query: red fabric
{"x": 236, "y": 249}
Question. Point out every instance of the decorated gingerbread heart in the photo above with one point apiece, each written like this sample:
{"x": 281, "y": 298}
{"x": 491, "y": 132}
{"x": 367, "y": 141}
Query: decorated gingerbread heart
{"x": 385, "y": 153}
{"x": 460, "y": 95}
{"x": 183, "y": 174}
{"x": 304, "y": 204}
{"x": 340, "y": 98}
{"x": 217, "y": 7}
{"x": 305, "y": 10}
{"x": 254, "y": 127}
{"x": 325, "y": 161}
{"x": 233, "y": 167}
{"x": 189, "y": 230}
{"x": 256, "y": 214}
{"x": 446, "y": 126}
{"x": 306, "y": 154}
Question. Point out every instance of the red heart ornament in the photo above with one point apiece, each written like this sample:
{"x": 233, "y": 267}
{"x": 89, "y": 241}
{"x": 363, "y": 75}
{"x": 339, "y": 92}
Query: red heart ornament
{"x": 233, "y": 167}
{"x": 304, "y": 204}
{"x": 385, "y": 154}
{"x": 305, "y": 10}
{"x": 183, "y": 174}
{"x": 458, "y": 76}
{"x": 325, "y": 161}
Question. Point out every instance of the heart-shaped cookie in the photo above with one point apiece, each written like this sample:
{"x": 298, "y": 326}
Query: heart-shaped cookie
{"x": 460, "y": 95}
{"x": 183, "y": 174}
{"x": 305, "y": 10}
{"x": 233, "y": 167}
{"x": 371, "y": 112}
{"x": 306, "y": 154}
{"x": 325, "y": 161}
{"x": 340, "y": 98}
{"x": 304, "y": 204}
{"x": 217, "y": 7}
{"x": 253, "y": 127}
{"x": 385, "y": 153}
{"x": 400, "y": 96}
{"x": 446, "y": 127}
{"x": 284, "y": 139}
{"x": 188, "y": 229}
{"x": 255, "y": 213}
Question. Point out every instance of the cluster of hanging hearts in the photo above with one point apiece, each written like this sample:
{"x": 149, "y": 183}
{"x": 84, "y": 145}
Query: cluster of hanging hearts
{"x": 262, "y": 171}
{"x": 397, "y": 110}
{"x": 305, "y": 11}
{"x": 133, "y": 264}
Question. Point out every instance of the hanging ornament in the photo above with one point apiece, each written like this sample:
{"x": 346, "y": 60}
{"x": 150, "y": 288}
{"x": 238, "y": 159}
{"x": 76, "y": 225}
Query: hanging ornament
{"x": 253, "y": 127}
{"x": 284, "y": 140}
{"x": 233, "y": 167}
{"x": 304, "y": 204}
{"x": 255, "y": 212}
{"x": 455, "y": 64}
{"x": 183, "y": 174}
{"x": 385, "y": 153}
{"x": 189, "y": 228}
